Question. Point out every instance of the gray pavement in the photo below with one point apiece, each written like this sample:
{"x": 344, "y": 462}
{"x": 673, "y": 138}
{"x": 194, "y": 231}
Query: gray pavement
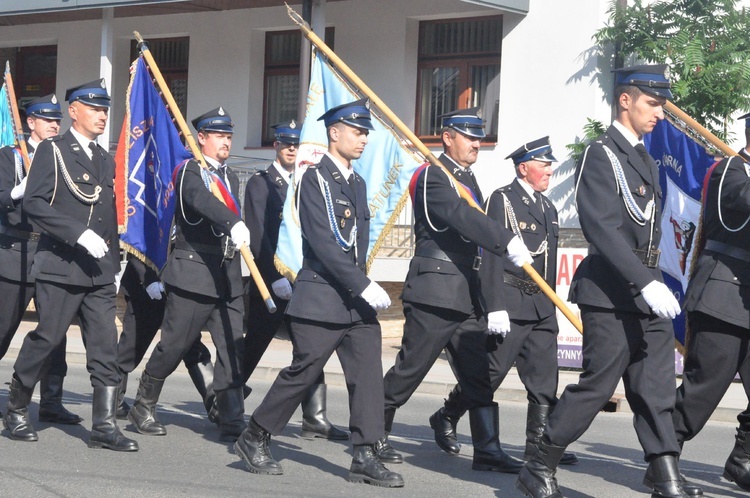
{"x": 440, "y": 379}
{"x": 189, "y": 461}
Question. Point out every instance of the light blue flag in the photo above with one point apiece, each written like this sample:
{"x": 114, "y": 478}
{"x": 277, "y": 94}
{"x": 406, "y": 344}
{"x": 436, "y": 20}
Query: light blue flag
{"x": 7, "y": 133}
{"x": 387, "y": 165}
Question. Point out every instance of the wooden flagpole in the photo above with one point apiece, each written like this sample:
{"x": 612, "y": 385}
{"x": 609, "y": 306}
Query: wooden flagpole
{"x": 18, "y": 127}
{"x": 421, "y": 147}
{"x": 198, "y": 155}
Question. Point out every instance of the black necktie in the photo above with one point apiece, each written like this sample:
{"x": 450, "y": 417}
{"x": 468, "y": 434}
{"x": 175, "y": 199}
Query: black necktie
{"x": 96, "y": 158}
{"x": 475, "y": 185}
{"x": 648, "y": 160}
{"x": 540, "y": 206}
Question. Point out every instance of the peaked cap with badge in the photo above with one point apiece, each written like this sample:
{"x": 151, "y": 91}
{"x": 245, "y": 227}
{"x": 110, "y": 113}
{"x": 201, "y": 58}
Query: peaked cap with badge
{"x": 469, "y": 122}
{"x": 536, "y": 150}
{"x": 649, "y": 78}
{"x": 94, "y": 93}
{"x": 287, "y": 132}
{"x": 47, "y": 107}
{"x": 217, "y": 120}
{"x": 356, "y": 114}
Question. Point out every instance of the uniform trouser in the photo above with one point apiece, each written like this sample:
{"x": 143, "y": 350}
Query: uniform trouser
{"x": 532, "y": 347}
{"x": 140, "y": 323}
{"x": 186, "y": 314}
{"x": 260, "y": 328}
{"x": 717, "y": 350}
{"x": 58, "y": 305}
{"x": 427, "y": 331}
{"x": 358, "y": 347}
{"x": 637, "y": 348}
{"x": 15, "y": 300}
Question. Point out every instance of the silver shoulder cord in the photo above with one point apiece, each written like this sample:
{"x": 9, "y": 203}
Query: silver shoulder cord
{"x": 718, "y": 202}
{"x": 510, "y": 218}
{"x": 634, "y": 211}
{"x": 89, "y": 199}
{"x": 424, "y": 201}
{"x": 182, "y": 206}
{"x": 622, "y": 185}
{"x": 346, "y": 245}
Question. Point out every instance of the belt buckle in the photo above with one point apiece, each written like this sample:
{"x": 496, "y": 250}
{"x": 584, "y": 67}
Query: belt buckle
{"x": 476, "y": 263}
{"x": 230, "y": 249}
{"x": 652, "y": 258}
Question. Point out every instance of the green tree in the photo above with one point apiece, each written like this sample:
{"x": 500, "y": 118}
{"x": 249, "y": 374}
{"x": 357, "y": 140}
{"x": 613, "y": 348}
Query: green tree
{"x": 705, "y": 43}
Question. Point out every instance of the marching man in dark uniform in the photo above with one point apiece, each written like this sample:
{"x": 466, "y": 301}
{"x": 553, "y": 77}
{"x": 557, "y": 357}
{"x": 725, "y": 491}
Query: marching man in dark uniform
{"x": 69, "y": 195}
{"x": 625, "y": 307}
{"x": 442, "y": 298}
{"x": 265, "y": 194}
{"x": 716, "y": 301}
{"x": 521, "y": 319}
{"x": 144, "y": 311}
{"x": 333, "y": 306}
{"x": 203, "y": 280}
{"x": 18, "y": 240}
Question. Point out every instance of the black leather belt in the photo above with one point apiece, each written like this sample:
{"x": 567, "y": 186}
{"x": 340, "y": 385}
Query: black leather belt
{"x": 203, "y": 248}
{"x": 525, "y": 285}
{"x": 456, "y": 258}
{"x": 728, "y": 250}
{"x": 317, "y": 266}
{"x": 18, "y": 234}
{"x": 648, "y": 258}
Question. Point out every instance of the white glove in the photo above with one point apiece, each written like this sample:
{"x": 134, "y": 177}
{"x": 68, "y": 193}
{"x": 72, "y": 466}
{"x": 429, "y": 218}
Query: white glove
{"x": 282, "y": 288}
{"x": 376, "y": 296}
{"x": 154, "y": 290}
{"x": 18, "y": 191}
{"x": 240, "y": 234}
{"x": 94, "y": 244}
{"x": 661, "y": 300}
{"x": 518, "y": 253}
{"x": 498, "y": 322}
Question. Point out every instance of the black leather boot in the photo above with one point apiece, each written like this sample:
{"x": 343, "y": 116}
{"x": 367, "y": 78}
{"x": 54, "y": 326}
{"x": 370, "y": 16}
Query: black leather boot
{"x": 202, "y": 375}
{"x": 231, "y": 405}
{"x": 51, "y": 408}
{"x": 314, "y": 421}
{"x": 122, "y": 406}
{"x": 536, "y": 419}
{"x": 252, "y": 447}
{"x": 444, "y": 422}
{"x": 104, "y": 430}
{"x": 213, "y": 413}
{"x": 737, "y": 467}
{"x": 368, "y": 469}
{"x": 16, "y": 418}
{"x": 663, "y": 477}
{"x": 445, "y": 431}
{"x": 382, "y": 447}
{"x": 537, "y": 478}
{"x": 488, "y": 454}
{"x": 143, "y": 413}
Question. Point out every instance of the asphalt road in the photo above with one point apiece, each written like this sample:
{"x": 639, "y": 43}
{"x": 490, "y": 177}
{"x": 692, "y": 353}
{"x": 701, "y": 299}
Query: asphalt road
{"x": 189, "y": 460}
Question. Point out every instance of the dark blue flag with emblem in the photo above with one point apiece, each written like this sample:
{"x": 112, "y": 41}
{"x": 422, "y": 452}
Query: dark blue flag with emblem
{"x": 148, "y": 152}
{"x": 683, "y": 164}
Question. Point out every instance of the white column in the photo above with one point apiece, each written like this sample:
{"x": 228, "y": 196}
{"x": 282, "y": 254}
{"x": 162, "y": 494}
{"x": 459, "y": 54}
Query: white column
{"x": 105, "y": 64}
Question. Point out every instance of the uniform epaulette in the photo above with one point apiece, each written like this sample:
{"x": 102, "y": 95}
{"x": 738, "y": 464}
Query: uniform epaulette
{"x": 260, "y": 172}
{"x": 313, "y": 166}
{"x": 56, "y": 138}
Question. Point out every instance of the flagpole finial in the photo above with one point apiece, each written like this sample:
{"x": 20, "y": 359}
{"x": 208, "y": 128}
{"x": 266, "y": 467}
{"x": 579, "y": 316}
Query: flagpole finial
{"x": 141, "y": 43}
{"x": 294, "y": 15}
{"x": 7, "y": 67}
